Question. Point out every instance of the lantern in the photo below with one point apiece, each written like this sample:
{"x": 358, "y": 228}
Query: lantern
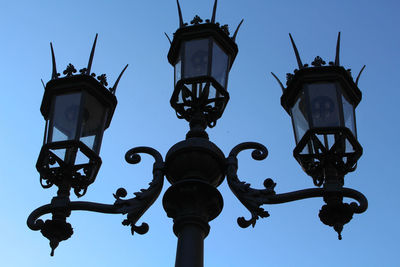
{"x": 77, "y": 110}
{"x": 321, "y": 101}
{"x": 202, "y": 55}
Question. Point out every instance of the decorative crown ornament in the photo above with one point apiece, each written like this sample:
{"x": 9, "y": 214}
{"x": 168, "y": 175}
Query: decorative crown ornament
{"x": 70, "y": 69}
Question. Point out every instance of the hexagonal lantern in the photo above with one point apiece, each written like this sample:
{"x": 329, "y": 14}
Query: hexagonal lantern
{"x": 77, "y": 110}
{"x": 321, "y": 101}
{"x": 202, "y": 56}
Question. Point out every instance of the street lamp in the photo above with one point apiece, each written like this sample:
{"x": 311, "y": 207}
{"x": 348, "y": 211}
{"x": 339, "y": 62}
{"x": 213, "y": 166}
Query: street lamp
{"x": 78, "y": 108}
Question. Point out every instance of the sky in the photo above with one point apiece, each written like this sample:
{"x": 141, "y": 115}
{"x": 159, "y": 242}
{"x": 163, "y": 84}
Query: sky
{"x": 133, "y": 32}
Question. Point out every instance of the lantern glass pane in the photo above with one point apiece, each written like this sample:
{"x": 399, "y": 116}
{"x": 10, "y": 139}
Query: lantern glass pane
{"x": 324, "y": 106}
{"x": 348, "y": 113}
{"x": 196, "y": 59}
{"x": 65, "y": 117}
{"x": 220, "y": 62}
{"x": 299, "y": 118}
{"x": 185, "y": 94}
{"x": 94, "y": 115}
{"x": 178, "y": 70}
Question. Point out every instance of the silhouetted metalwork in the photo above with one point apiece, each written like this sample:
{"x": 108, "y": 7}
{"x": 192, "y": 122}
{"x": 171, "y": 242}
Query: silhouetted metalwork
{"x": 321, "y": 101}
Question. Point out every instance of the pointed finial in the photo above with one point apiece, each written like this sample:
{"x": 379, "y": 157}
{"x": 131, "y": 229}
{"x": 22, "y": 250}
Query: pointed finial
{"x": 296, "y": 52}
{"x": 114, "y": 88}
{"x": 338, "y": 228}
{"x": 237, "y": 29}
{"x": 280, "y": 83}
{"x": 168, "y": 38}
{"x": 359, "y": 74}
{"x": 214, "y": 11}
{"x": 181, "y": 24}
{"x": 54, "y": 74}
{"x": 337, "y": 63}
{"x": 91, "y": 56}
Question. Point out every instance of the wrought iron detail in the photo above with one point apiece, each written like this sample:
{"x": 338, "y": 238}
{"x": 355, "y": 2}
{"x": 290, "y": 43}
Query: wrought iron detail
{"x": 55, "y": 171}
{"x": 57, "y": 229}
{"x": 70, "y": 70}
{"x": 251, "y": 198}
{"x": 315, "y": 162}
{"x": 318, "y": 62}
{"x": 196, "y": 20}
{"x": 225, "y": 29}
{"x": 335, "y": 213}
{"x": 102, "y": 79}
{"x": 137, "y": 206}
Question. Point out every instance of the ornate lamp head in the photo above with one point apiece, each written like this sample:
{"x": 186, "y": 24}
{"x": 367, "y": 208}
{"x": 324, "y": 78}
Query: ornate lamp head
{"x": 202, "y": 55}
{"x": 77, "y": 109}
{"x": 321, "y": 100}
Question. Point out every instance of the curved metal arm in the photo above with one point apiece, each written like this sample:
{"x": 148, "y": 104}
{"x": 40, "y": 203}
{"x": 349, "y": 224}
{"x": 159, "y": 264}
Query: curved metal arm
{"x": 134, "y": 207}
{"x": 137, "y": 206}
{"x": 35, "y": 224}
{"x": 252, "y": 199}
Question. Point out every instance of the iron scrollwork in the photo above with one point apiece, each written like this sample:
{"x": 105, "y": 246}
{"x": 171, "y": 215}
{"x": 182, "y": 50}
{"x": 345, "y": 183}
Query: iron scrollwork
{"x": 137, "y": 206}
{"x": 334, "y": 213}
{"x": 61, "y": 206}
{"x": 251, "y": 198}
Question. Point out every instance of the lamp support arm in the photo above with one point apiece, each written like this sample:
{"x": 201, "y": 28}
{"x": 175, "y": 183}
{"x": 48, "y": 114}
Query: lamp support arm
{"x": 253, "y": 199}
{"x": 134, "y": 207}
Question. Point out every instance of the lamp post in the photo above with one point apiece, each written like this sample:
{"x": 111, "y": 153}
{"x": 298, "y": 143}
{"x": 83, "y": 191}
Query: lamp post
{"x": 321, "y": 101}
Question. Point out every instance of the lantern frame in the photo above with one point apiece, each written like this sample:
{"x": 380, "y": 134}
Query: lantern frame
{"x": 80, "y": 164}
{"x": 200, "y": 101}
{"x": 51, "y": 167}
{"x": 316, "y": 156}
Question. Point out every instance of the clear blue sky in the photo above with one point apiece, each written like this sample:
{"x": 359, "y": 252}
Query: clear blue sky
{"x": 133, "y": 32}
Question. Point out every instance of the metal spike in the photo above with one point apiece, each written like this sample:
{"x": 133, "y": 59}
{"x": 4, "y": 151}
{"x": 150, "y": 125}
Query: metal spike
{"x": 337, "y": 63}
{"x": 168, "y": 38}
{"x": 181, "y": 24}
{"x": 296, "y": 52}
{"x": 114, "y": 88}
{"x": 214, "y": 11}
{"x": 359, "y": 74}
{"x": 53, "y": 59}
{"x": 91, "y": 56}
{"x": 43, "y": 84}
{"x": 280, "y": 83}
{"x": 237, "y": 29}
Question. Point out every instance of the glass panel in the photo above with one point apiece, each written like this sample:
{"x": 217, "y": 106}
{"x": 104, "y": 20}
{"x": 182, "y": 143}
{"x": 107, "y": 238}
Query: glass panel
{"x": 219, "y": 65}
{"x": 81, "y": 158}
{"x": 59, "y": 153}
{"x": 185, "y": 94}
{"x": 65, "y": 117}
{"x": 299, "y": 118}
{"x": 94, "y": 115}
{"x": 348, "y": 113}
{"x": 216, "y": 98}
{"x": 196, "y": 58}
{"x": 178, "y": 70}
{"x": 323, "y": 104}
{"x": 349, "y": 147}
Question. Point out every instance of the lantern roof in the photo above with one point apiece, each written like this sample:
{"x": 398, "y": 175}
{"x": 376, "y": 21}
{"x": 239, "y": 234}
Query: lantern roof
{"x": 85, "y": 79}
{"x": 319, "y": 71}
{"x": 199, "y": 28}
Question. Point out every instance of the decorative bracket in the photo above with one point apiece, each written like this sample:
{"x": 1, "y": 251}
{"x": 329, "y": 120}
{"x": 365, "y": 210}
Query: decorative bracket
{"x": 335, "y": 213}
{"x": 60, "y": 207}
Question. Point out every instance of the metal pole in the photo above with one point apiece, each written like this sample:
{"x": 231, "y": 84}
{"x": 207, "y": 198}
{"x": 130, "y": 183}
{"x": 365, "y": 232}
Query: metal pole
{"x": 190, "y": 249}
